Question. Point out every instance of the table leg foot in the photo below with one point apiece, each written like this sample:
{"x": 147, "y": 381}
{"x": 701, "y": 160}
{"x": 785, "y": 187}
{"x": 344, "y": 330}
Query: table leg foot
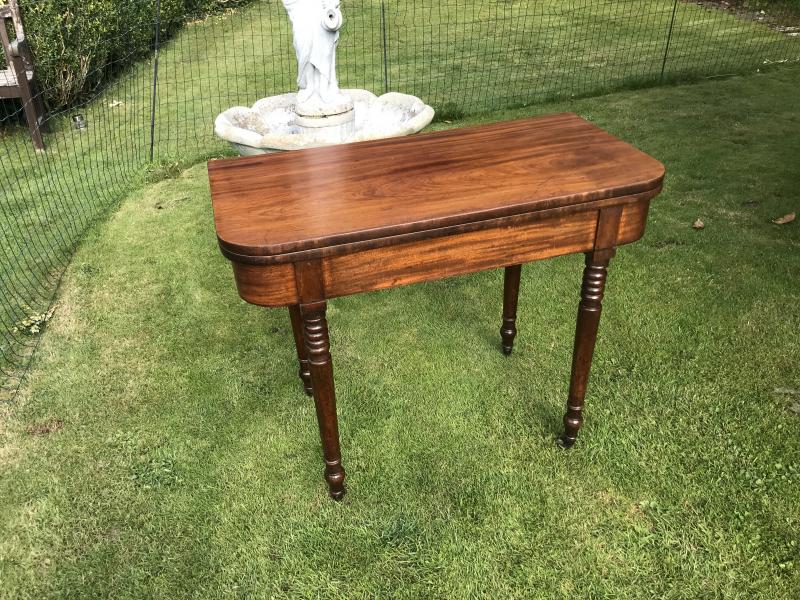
{"x": 508, "y": 331}
{"x": 317, "y": 345}
{"x": 589, "y": 309}
{"x": 302, "y": 357}
{"x": 565, "y": 443}
{"x": 334, "y": 476}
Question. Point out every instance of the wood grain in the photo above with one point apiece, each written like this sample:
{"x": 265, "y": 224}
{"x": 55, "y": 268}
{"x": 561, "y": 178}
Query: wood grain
{"x": 458, "y": 254}
{"x": 311, "y": 290}
{"x": 469, "y": 252}
{"x": 294, "y": 201}
{"x": 508, "y": 329}
{"x": 306, "y": 226}
{"x": 266, "y": 285}
{"x": 391, "y": 265}
{"x": 304, "y": 371}
{"x": 588, "y": 322}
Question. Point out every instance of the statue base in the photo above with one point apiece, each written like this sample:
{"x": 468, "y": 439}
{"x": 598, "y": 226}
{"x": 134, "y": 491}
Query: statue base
{"x": 271, "y": 124}
{"x": 338, "y": 126}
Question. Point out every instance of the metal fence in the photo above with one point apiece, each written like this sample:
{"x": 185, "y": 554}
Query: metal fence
{"x": 148, "y": 112}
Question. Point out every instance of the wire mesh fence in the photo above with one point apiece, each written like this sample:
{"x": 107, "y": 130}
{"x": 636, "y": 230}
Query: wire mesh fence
{"x": 148, "y": 79}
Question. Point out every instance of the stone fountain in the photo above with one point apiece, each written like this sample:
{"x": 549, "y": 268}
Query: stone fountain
{"x": 319, "y": 114}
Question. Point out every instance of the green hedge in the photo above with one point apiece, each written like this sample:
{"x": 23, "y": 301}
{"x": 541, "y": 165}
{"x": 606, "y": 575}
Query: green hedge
{"x": 79, "y": 44}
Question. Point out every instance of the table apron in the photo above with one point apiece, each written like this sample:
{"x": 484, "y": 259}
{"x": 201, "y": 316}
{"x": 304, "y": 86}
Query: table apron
{"x": 513, "y": 242}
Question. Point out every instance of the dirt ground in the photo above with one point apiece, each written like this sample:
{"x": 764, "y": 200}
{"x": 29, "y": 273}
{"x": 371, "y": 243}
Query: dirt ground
{"x": 779, "y": 19}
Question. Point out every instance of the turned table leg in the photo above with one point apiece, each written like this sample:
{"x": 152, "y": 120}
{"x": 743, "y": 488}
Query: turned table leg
{"x": 594, "y": 281}
{"x": 317, "y": 344}
{"x": 510, "y": 296}
{"x": 302, "y": 356}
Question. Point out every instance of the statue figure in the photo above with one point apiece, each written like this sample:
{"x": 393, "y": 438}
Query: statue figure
{"x": 315, "y": 25}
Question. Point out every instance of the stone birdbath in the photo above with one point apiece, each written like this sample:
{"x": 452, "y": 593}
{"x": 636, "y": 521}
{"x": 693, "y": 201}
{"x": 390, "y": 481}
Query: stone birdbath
{"x": 319, "y": 113}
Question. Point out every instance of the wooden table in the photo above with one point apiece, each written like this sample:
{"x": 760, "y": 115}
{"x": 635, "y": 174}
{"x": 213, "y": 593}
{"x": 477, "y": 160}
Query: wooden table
{"x": 303, "y": 227}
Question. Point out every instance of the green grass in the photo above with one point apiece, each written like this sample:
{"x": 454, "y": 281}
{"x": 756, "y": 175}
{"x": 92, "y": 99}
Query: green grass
{"x": 480, "y": 58}
{"x": 183, "y": 459}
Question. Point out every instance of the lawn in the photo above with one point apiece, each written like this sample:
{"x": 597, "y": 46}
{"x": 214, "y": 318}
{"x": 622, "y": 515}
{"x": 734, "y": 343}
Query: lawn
{"x": 162, "y": 447}
{"x": 463, "y": 58}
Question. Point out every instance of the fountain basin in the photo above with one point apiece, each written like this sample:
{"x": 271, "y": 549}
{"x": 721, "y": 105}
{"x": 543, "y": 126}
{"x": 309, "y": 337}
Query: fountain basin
{"x": 271, "y": 124}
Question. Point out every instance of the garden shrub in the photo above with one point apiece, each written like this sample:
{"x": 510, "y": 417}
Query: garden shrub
{"x": 79, "y": 44}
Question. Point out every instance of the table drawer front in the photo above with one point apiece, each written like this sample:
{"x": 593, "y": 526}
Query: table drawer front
{"x": 457, "y": 254}
{"x": 516, "y": 241}
{"x": 474, "y": 251}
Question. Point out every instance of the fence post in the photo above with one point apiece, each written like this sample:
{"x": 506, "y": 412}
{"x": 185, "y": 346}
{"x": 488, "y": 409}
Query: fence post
{"x": 156, "y": 46}
{"x": 385, "y": 50}
{"x": 669, "y": 39}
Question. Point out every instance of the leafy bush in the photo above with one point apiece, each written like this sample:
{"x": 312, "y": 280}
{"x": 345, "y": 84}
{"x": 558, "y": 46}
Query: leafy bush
{"x": 79, "y": 44}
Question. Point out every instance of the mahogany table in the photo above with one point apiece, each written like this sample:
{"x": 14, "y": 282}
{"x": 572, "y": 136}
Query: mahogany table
{"x": 302, "y": 227}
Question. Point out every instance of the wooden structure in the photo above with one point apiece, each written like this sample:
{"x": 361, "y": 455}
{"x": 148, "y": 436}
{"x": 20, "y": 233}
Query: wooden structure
{"x": 17, "y": 79}
{"x": 303, "y": 227}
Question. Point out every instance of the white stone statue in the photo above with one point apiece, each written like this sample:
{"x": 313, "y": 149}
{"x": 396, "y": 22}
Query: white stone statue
{"x": 319, "y": 114}
{"x": 316, "y": 24}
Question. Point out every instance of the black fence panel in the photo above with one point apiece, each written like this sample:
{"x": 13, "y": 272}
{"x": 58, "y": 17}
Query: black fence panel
{"x": 133, "y": 92}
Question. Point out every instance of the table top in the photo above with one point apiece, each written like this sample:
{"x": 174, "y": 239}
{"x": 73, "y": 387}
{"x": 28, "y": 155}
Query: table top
{"x": 310, "y": 199}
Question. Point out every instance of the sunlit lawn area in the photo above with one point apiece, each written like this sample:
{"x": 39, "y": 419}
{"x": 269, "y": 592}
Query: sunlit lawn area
{"x": 461, "y": 58}
{"x": 162, "y": 446}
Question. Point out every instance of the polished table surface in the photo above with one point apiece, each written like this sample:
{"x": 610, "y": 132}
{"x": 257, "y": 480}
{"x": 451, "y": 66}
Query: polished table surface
{"x": 316, "y": 199}
{"x": 302, "y": 227}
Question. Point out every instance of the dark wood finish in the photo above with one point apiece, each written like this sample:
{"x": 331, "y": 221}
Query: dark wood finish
{"x": 307, "y": 226}
{"x": 17, "y": 80}
{"x": 508, "y": 330}
{"x": 295, "y": 201}
{"x": 635, "y": 211}
{"x": 299, "y": 343}
{"x": 588, "y": 321}
{"x": 589, "y": 309}
{"x": 271, "y": 285}
{"x": 459, "y": 254}
{"x": 317, "y": 342}
{"x": 520, "y": 239}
